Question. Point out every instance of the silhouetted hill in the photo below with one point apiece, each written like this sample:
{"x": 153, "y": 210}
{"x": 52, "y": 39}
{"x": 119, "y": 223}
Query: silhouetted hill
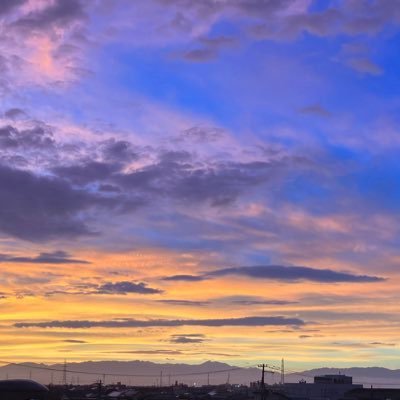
{"x": 149, "y": 373}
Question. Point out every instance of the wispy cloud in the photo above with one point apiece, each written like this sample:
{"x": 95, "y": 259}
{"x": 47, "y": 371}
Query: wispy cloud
{"x": 283, "y": 273}
{"x": 134, "y": 323}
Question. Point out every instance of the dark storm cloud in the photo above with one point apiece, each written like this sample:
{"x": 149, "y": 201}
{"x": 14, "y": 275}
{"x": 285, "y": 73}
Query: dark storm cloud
{"x": 56, "y": 257}
{"x": 281, "y": 273}
{"x": 294, "y": 274}
{"x": 57, "y": 13}
{"x": 134, "y": 323}
{"x": 125, "y": 287}
{"x": 38, "y": 208}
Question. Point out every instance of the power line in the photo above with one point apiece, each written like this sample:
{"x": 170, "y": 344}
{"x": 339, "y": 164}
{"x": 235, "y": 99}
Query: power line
{"x": 65, "y": 370}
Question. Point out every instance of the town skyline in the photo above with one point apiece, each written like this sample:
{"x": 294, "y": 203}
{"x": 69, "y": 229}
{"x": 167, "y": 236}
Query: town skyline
{"x": 193, "y": 180}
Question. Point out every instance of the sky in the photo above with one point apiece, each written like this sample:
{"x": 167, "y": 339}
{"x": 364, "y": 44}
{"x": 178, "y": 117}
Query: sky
{"x": 192, "y": 180}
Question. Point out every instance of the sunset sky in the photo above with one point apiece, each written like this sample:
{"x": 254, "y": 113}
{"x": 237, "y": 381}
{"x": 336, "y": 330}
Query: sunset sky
{"x": 192, "y": 180}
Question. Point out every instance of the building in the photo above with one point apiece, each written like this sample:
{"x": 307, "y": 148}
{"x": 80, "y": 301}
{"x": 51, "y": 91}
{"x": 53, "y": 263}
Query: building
{"x": 373, "y": 394}
{"x": 335, "y": 379}
{"x": 22, "y": 389}
{"x": 325, "y": 387}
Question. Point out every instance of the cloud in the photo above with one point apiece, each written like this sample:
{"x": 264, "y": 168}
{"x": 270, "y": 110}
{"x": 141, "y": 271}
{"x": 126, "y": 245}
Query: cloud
{"x": 382, "y": 344}
{"x": 188, "y": 278}
{"x": 38, "y": 137}
{"x": 118, "y": 150}
{"x": 316, "y": 110}
{"x": 364, "y": 65}
{"x": 56, "y": 257}
{"x": 74, "y": 341}
{"x": 252, "y": 300}
{"x": 111, "y": 288}
{"x": 294, "y": 274}
{"x": 40, "y": 208}
{"x": 57, "y": 14}
{"x": 125, "y": 287}
{"x": 283, "y": 273}
{"x": 185, "y": 339}
{"x": 151, "y": 352}
{"x": 88, "y": 172}
{"x": 188, "y": 303}
{"x": 7, "y": 5}
{"x": 218, "y": 184}
{"x": 14, "y": 113}
{"x": 201, "y": 134}
{"x": 135, "y": 323}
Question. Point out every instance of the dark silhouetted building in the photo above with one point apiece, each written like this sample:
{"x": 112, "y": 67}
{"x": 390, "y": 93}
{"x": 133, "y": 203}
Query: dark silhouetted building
{"x": 22, "y": 389}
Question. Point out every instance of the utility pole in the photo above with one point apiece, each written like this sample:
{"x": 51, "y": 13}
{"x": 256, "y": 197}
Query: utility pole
{"x": 282, "y": 372}
{"x": 262, "y": 381}
{"x": 99, "y": 390}
{"x": 263, "y": 366}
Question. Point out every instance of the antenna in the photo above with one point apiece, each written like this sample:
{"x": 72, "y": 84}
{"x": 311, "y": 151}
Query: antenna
{"x": 282, "y": 372}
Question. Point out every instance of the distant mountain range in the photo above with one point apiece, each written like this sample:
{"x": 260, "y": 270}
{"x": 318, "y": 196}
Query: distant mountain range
{"x": 149, "y": 373}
